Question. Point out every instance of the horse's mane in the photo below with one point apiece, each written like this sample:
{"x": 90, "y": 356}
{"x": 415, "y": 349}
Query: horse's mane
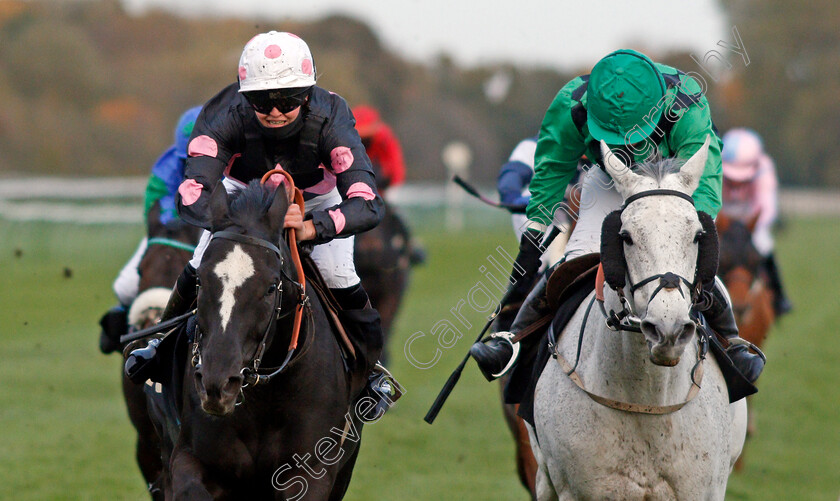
{"x": 250, "y": 203}
{"x": 657, "y": 167}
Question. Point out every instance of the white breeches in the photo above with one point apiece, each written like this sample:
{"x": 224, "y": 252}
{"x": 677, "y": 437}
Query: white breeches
{"x": 598, "y": 198}
{"x": 763, "y": 239}
{"x": 127, "y": 283}
{"x": 334, "y": 258}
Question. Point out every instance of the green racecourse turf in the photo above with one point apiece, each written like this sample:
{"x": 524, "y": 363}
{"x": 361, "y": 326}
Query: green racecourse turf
{"x": 65, "y": 434}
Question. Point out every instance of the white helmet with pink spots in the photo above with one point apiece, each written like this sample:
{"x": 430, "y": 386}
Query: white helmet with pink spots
{"x": 275, "y": 60}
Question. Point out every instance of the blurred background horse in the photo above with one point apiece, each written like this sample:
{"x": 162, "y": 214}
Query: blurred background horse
{"x": 741, "y": 270}
{"x": 170, "y": 247}
{"x": 384, "y": 257}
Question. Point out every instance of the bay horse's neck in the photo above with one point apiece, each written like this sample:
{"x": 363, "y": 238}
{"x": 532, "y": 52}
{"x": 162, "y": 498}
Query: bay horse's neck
{"x": 617, "y": 364}
{"x": 280, "y": 338}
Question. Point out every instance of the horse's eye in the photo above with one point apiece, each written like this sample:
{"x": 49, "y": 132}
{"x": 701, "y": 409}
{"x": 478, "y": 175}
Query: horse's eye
{"x": 698, "y": 236}
{"x": 624, "y": 235}
{"x": 271, "y": 289}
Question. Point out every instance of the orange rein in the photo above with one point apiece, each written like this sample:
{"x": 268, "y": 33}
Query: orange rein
{"x": 297, "y": 197}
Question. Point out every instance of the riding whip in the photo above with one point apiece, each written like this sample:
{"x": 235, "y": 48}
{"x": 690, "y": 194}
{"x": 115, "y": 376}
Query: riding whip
{"x": 514, "y": 209}
{"x": 456, "y": 374}
{"x": 172, "y": 322}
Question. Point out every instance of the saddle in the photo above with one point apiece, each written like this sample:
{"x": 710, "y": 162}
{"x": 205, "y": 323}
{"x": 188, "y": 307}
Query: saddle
{"x": 569, "y": 284}
{"x": 331, "y": 307}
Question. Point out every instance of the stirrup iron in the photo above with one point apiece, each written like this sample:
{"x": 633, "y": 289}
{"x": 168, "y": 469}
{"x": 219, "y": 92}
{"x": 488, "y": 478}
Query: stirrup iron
{"x": 507, "y": 337}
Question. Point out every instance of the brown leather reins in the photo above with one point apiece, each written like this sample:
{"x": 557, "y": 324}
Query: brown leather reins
{"x": 295, "y": 196}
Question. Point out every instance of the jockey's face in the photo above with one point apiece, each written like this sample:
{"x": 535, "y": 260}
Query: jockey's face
{"x": 274, "y": 119}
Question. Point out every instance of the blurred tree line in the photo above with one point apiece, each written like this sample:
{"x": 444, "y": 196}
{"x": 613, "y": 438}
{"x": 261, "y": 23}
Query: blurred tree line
{"x": 87, "y": 89}
{"x": 789, "y": 92}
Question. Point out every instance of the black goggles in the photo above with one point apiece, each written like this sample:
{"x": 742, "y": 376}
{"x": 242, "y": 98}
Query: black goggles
{"x": 263, "y": 101}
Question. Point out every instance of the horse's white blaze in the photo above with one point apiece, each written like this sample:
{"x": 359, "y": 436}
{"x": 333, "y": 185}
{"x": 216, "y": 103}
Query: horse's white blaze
{"x": 232, "y": 271}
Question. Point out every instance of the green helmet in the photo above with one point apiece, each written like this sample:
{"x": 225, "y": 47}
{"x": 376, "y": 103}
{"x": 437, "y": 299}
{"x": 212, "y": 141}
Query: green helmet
{"x": 623, "y": 88}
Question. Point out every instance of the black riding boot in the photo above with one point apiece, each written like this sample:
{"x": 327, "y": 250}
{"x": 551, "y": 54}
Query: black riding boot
{"x": 183, "y": 294}
{"x": 141, "y": 363}
{"x": 366, "y": 335}
{"x": 781, "y": 303}
{"x": 721, "y": 319}
{"x": 498, "y": 355}
{"x": 114, "y": 324}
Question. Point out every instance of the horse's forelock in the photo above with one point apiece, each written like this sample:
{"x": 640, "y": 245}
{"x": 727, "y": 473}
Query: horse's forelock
{"x": 659, "y": 168}
{"x": 250, "y": 204}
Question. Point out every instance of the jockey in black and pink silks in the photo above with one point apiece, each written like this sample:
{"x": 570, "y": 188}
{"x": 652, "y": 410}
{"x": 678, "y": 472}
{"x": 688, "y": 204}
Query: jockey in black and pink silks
{"x": 273, "y": 117}
{"x": 229, "y": 142}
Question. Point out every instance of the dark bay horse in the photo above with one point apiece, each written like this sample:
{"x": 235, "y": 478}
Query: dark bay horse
{"x": 265, "y": 411}
{"x": 170, "y": 247}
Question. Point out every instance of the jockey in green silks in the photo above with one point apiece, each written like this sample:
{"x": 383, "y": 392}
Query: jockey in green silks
{"x": 640, "y": 109}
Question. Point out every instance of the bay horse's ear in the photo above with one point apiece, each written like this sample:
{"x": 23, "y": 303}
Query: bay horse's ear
{"x": 153, "y": 225}
{"x": 752, "y": 222}
{"x": 219, "y": 208}
{"x": 276, "y": 214}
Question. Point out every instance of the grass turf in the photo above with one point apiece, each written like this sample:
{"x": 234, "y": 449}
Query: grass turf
{"x": 65, "y": 434}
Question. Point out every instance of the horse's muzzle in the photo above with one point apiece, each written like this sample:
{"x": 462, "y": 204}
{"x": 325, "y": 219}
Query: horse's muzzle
{"x": 667, "y": 345}
{"x": 218, "y": 395}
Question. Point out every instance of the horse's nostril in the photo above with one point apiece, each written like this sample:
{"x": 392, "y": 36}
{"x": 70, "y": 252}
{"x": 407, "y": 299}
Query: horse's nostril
{"x": 199, "y": 384}
{"x": 649, "y": 328}
{"x": 687, "y": 330}
{"x": 233, "y": 384}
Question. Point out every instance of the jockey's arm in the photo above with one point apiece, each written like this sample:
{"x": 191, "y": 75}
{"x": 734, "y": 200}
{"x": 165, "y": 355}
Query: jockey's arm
{"x": 516, "y": 174}
{"x": 392, "y": 162}
{"x": 361, "y": 207}
{"x": 167, "y": 174}
{"x": 766, "y": 193}
{"x": 559, "y": 149}
{"x": 210, "y": 150}
{"x": 687, "y": 136}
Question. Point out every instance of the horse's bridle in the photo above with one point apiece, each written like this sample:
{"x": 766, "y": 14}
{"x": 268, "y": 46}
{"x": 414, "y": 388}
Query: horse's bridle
{"x": 614, "y": 322}
{"x": 169, "y": 242}
{"x": 667, "y": 280}
{"x": 250, "y": 373}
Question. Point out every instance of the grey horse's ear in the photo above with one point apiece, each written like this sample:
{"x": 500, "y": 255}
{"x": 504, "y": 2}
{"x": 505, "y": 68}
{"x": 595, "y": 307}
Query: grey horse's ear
{"x": 625, "y": 179}
{"x": 276, "y": 214}
{"x": 218, "y": 208}
{"x": 692, "y": 170}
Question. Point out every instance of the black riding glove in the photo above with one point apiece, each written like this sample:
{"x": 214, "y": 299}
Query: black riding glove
{"x": 527, "y": 263}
